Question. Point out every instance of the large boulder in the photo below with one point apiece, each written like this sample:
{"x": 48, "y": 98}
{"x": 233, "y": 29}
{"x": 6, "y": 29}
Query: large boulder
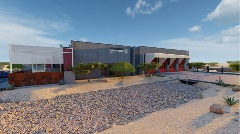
{"x": 216, "y": 108}
{"x": 237, "y": 88}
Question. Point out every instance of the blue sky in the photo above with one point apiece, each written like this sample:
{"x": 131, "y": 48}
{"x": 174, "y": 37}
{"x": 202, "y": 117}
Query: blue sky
{"x": 209, "y": 29}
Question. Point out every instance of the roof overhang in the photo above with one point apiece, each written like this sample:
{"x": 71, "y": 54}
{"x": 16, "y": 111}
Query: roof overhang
{"x": 150, "y": 56}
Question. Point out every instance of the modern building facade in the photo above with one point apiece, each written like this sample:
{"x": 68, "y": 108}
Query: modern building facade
{"x": 171, "y": 60}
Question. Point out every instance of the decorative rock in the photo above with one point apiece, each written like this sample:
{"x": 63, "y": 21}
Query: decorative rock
{"x": 237, "y": 88}
{"x": 237, "y": 119}
{"x": 216, "y": 108}
{"x": 104, "y": 80}
{"x": 94, "y": 111}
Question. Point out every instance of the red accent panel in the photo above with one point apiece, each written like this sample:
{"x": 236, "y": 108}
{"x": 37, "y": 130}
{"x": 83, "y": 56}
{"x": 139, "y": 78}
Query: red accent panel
{"x": 67, "y": 58}
{"x": 172, "y": 67}
{"x": 48, "y": 65}
{"x": 180, "y": 66}
{"x": 163, "y": 67}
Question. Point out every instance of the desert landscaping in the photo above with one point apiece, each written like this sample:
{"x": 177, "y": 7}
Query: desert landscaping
{"x": 135, "y": 104}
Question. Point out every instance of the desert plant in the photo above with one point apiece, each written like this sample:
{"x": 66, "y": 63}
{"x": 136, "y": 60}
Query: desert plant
{"x": 197, "y": 64}
{"x": 122, "y": 67}
{"x": 234, "y": 67}
{"x": 1, "y": 67}
{"x": 86, "y": 68}
{"x": 69, "y": 68}
{"x": 221, "y": 82}
{"x": 200, "y": 96}
{"x": 61, "y": 82}
{"x": 147, "y": 67}
{"x": 10, "y": 86}
{"x": 233, "y": 85}
{"x": 230, "y": 101}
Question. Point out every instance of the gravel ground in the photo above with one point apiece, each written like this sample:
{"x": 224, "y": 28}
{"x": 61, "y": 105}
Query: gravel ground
{"x": 93, "y": 111}
{"x": 34, "y": 93}
{"x": 189, "y": 118}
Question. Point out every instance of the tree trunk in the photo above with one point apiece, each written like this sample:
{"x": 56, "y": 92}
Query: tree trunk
{"x": 89, "y": 77}
{"x": 197, "y": 69}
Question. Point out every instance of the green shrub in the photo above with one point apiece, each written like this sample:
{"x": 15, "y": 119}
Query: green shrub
{"x": 61, "y": 82}
{"x": 200, "y": 96}
{"x": 69, "y": 68}
{"x": 147, "y": 67}
{"x": 221, "y": 82}
{"x": 230, "y": 101}
{"x": 9, "y": 87}
{"x": 234, "y": 65}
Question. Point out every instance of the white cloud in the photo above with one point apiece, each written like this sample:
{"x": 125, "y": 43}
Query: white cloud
{"x": 49, "y": 23}
{"x": 24, "y": 31}
{"x": 221, "y": 47}
{"x": 231, "y": 35}
{"x": 83, "y": 39}
{"x": 194, "y": 29}
{"x": 142, "y": 7}
{"x": 227, "y": 11}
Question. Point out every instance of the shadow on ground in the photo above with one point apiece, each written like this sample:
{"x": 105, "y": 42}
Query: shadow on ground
{"x": 203, "y": 120}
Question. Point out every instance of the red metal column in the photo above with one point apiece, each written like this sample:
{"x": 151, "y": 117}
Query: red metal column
{"x": 67, "y": 58}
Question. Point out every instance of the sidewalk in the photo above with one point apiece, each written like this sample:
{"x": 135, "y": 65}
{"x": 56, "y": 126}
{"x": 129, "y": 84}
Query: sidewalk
{"x": 210, "y": 77}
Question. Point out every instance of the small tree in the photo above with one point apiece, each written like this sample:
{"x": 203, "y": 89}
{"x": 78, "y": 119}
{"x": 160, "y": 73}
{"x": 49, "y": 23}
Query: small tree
{"x": 147, "y": 67}
{"x": 211, "y": 64}
{"x": 1, "y": 66}
{"x": 197, "y": 64}
{"x": 234, "y": 66}
{"x": 16, "y": 66}
{"x": 86, "y": 68}
{"x": 142, "y": 66}
{"x": 122, "y": 67}
{"x": 230, "y": 62}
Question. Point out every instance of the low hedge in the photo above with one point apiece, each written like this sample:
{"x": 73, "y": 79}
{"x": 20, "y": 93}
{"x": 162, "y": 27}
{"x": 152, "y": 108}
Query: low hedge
{"x": 38, "y": 78}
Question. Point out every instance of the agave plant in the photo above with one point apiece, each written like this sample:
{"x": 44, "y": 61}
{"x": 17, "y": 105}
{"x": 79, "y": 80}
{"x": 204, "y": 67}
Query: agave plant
{"x": 221, "y": 82}
{"x": 9, "y": 86}
{"x": 230, "y": 101}
{"x": 61, "y": 82}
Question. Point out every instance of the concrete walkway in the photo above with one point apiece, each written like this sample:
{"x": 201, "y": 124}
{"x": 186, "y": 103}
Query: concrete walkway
{"x": 210, "y": 77}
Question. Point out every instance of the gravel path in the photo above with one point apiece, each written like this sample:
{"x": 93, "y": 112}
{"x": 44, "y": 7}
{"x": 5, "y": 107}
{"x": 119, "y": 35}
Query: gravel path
{"x": 93, "y": 111}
